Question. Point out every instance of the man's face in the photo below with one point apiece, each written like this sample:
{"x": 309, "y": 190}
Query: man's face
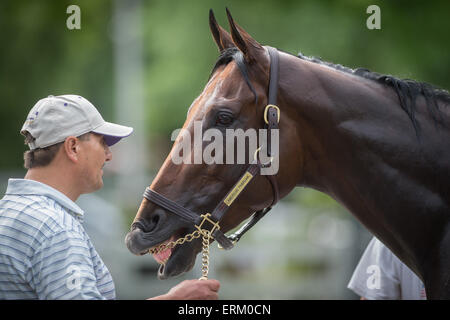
{"x": 95, "y": 154}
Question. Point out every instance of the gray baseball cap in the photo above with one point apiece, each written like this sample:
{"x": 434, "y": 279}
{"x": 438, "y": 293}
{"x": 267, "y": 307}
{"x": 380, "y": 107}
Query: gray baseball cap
{"x": 55, "y": 118}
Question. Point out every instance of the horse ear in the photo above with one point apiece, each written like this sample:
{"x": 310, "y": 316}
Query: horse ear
{"x": 220, "y": 35}
{"x": 249, "y": 46}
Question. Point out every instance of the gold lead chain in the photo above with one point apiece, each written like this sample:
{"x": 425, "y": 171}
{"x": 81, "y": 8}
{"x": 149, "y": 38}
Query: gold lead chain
{"x": 169, "y": 245}
{"x": 205, "y": 254}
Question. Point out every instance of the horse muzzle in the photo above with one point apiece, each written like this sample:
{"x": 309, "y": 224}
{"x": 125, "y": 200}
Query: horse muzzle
{"x": 174, "y": 260}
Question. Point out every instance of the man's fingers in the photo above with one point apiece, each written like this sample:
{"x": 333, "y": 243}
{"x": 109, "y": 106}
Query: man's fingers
{"x": 213, "y": 285}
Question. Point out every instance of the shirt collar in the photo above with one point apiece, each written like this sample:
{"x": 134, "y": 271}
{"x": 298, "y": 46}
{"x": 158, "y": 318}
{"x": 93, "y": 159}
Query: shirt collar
{"x": 32, "y": 187}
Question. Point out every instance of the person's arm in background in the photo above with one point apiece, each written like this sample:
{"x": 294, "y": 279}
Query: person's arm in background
{"x": 376, "y": 275}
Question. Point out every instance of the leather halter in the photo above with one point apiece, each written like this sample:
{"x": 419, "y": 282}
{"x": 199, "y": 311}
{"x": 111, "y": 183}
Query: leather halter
{"x": 271, "y": 118}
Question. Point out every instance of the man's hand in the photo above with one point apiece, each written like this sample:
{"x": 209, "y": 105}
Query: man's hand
{"x": 192, "y": 290}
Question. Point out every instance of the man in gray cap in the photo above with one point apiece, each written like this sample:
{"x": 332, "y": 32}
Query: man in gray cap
{"x": 45, "y": 252}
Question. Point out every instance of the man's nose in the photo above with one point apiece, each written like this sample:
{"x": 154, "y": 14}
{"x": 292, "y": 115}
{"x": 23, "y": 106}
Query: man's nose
{"x": 108, "y": 154}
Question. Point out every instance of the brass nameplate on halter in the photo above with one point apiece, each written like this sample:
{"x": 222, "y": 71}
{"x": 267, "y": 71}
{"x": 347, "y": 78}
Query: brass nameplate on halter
{"x": 238, "y": 188}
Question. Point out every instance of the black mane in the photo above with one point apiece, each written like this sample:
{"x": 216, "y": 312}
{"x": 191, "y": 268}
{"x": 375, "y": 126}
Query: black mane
{"x": 406, "y": 89}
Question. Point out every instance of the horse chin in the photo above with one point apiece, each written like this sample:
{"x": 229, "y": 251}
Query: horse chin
{"x": 180, "y": 261}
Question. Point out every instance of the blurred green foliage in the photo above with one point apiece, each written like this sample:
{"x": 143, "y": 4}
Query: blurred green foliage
{"x": 40, "y": 56}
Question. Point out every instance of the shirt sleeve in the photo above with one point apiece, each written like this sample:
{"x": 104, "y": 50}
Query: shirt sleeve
{"x": 376, "y": 275}
{"x": 62, "y": 268}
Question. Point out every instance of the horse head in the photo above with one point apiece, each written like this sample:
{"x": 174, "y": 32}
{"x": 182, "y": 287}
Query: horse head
{"x": 234, "y": 98}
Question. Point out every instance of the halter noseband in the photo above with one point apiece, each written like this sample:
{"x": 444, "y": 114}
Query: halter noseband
{"x": 271, "y": 119}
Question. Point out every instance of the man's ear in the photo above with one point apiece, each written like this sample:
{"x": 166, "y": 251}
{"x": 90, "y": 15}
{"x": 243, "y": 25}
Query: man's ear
{"x": 71, "y": 148}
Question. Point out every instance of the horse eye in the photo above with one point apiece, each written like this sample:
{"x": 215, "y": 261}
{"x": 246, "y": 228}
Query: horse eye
{"x": 224, "y": 119}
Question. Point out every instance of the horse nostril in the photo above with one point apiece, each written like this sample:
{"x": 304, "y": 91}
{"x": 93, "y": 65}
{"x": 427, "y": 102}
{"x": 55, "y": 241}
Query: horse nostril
{"x": 150, "y": 223}
{"x": 155, "y": 220}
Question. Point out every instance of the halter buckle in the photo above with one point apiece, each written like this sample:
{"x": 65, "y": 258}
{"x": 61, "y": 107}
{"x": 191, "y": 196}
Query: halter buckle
{"x": 255, "y": 157}
{"x": 267, "y": 110}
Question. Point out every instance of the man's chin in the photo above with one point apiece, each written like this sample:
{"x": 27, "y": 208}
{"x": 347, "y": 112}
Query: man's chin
{"x": 95, "y": 187}
{"x": 100, "y": 184}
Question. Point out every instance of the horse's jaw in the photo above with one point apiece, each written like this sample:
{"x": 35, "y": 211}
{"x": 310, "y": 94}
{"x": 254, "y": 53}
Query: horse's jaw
{"x": 173, "y": 261}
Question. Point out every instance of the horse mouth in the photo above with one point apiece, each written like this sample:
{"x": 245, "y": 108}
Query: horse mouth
{"x": 162, "y": 256}
{"x": 174, "y": 259}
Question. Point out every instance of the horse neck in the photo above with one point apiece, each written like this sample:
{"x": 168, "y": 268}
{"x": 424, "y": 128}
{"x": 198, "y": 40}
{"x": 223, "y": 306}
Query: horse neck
{"x": 359, "y": 147}
{"x": 325, "y": 105}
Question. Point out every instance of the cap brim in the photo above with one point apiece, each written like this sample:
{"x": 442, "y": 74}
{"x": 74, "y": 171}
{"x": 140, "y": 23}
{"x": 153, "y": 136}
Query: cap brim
{"x": 113, "y": 132}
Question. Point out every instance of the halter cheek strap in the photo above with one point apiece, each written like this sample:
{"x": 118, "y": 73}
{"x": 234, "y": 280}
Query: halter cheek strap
{"x": 272, "y": 119}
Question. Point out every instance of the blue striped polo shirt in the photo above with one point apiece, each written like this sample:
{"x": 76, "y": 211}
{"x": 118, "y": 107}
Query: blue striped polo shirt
{"x": 45, "y": 252}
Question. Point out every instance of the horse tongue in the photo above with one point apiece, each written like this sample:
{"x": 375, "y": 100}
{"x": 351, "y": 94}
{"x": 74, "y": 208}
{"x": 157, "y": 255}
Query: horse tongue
{"x": 163, "y": 256}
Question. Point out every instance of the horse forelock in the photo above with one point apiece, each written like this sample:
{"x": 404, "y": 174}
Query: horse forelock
{"x": 234, "y": 54}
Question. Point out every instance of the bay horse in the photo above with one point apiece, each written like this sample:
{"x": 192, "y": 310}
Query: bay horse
{"x": 378, "y": 145}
